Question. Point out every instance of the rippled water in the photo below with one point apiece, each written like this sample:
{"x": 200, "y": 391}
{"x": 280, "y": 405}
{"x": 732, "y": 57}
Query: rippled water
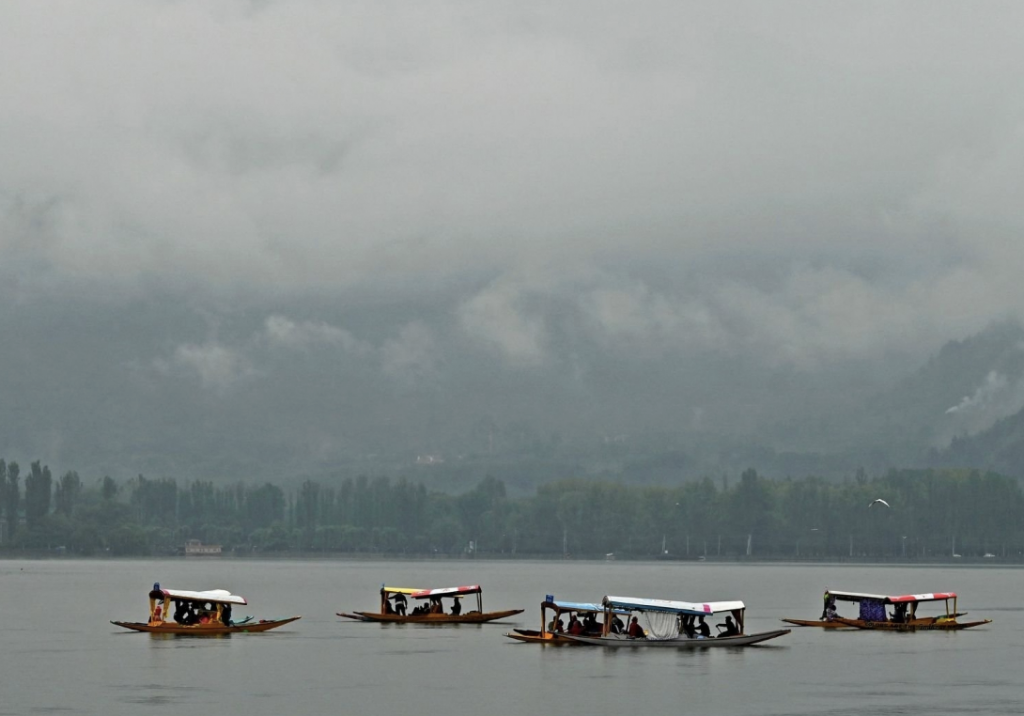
{"x": 60, "y": 654}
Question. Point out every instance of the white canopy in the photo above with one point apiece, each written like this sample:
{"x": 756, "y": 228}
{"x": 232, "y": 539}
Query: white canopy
{"x": 664, "y": 605}
{"x": 214, "y": 595}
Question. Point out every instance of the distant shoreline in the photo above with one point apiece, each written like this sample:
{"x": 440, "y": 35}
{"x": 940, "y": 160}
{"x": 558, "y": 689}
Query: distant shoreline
{"x": 14, "y": 555}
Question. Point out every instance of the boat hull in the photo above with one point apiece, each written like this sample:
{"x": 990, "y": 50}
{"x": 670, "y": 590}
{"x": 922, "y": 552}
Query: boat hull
{"x": 468, "y": 618}
{"x": 205, "y": 629}
{"x": 821, "y": 624}
{"x": 532, "y": 636}
{"x": 916, "y": 625}
{"x": 618, "y": 642}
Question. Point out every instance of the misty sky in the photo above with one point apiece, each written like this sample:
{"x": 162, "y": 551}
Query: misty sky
{"x": 812, "y": 182}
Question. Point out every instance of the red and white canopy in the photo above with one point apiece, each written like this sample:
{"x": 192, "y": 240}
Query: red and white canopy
{"x": 447, "y": 592}
{"x": 886, "y": 599}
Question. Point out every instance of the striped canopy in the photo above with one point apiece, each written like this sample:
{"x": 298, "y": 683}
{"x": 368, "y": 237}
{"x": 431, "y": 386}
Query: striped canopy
{"x": 401, "y": 590}
{"x": 447, "y": 592}
{"x": 901, "y": 599}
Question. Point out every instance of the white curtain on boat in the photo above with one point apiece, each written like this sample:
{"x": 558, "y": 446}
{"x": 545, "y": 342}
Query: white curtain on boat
{"x": 661, "y": 625}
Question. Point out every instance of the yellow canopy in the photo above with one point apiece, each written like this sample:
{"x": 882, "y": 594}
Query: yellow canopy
{"x": 401, "y": 590}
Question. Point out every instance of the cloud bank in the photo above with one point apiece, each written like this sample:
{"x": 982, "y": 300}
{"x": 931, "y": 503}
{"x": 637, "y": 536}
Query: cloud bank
{"x": 813, "y": 181}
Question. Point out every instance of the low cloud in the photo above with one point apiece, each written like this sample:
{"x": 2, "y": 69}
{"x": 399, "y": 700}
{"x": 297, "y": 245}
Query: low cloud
{"x": 281, "y": 331}
{"x": 497, "y": 319}
{"x": 217, "y": 366}
{"x": 997, "y": 397}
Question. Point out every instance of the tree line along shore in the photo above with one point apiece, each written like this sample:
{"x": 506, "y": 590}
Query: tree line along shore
{"x": 928, "y": 515}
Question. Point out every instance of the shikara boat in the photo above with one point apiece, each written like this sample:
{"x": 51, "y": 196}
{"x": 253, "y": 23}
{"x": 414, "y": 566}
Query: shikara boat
{"x": 549, "y": 632}
{"x": 212, "y": 614}
{"x": 432, "y": 609}
{"x": 665, "y": 625}
{"x": 872, "y": 613}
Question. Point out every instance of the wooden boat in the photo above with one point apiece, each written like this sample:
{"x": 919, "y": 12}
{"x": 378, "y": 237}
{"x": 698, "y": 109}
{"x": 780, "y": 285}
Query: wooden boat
{"x": 556, "y": 636}
{"x": 669, "y": 625}
{"x": 432, "y": 609}
{"x": 820, "y": 623}
{"x": 214, "y": 618}
{"x": 872, "y": 613}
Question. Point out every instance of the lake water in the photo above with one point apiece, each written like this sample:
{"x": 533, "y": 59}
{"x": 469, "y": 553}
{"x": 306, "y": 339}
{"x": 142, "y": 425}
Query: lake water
{"x": 60, "y": 654}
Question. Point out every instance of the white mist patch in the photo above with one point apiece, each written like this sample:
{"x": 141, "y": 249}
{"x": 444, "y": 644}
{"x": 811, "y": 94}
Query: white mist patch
{"x": 997, "y": 397}
{"x": 218, "y": 366}
{"x": 283, "y": 332}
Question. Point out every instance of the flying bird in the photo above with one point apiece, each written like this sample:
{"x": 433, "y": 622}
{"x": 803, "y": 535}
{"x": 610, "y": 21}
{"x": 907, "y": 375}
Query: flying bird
{"x": 879, "y": 501}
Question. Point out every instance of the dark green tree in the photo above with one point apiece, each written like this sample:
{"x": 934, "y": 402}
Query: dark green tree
{"x": 38, "y": 494}
{"x": 67, "y": 493}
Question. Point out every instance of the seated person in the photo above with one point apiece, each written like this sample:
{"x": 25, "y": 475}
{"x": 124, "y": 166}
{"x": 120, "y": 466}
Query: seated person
{"x": 616, "y": 627}
{"x": 703, "y": 629}
{"x": 830, "y": 612}
{"x": 575, "y": 625}
{"x": 635, "y": 630}
{"x": 456, "y": 607}
{"x": 225, "y": 615}
{"x": 730, "y": 628}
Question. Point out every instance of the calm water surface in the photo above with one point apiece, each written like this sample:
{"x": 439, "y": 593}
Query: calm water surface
{"x": 60, "y": 654}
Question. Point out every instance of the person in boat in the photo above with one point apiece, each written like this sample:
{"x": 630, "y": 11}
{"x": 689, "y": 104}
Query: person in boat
{"x": 387, "y": 607}
{"x": 686, "y": 626}
{"x": 703, "y": 628}
{"x": 616, "y": 627}
{"x": 225, "y": 615}
{"x": 157, "y": 601}
{"x": 899, "y": 614}
{"x": 400, "y": 604}
{"x": 830, "y": 611}
{"x": 435, "y": 606}
{"x": 590, "y": 625}
{"x": 190, "y": 614}
{"x": 456, "y": 607}
{"x": 730, "y": 628}
{"x": 180, "y": 611}
{"x": 575, "y": 625}
{"x": 635, "y": 630}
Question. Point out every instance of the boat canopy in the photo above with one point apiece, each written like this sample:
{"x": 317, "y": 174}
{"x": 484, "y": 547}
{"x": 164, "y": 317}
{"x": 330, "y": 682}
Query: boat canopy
{"x": 401, "y": 590}
{"x": 447, "y": 592}
{"x": 900, "y": 599}
{"x": 221, "y": 596}
{"x": 672, "y": 607}
{"x": 577, "y": 606}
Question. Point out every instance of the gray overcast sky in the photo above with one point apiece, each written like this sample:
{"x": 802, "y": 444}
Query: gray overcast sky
{"x": 814, "y": 180}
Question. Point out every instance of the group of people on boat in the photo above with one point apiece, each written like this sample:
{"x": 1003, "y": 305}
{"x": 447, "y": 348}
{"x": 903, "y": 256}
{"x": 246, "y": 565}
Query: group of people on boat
{"x": 872, "y": 610}
{"x": 433, "y": 606}
{"x": 190, "y": 612}
{"x": 187, "y": 612}
{"x": 694, "y": 626}
{"x": 587, "y": 626}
